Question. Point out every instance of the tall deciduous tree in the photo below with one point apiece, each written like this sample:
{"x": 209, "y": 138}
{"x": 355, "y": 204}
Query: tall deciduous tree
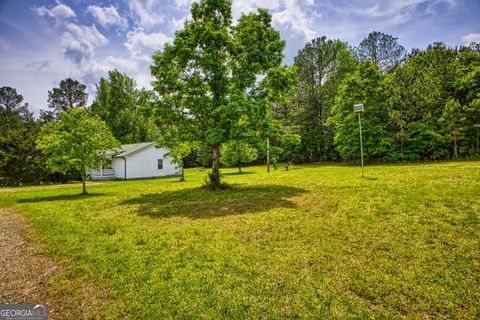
{"x": 289, "y": 142}
{"x": 20, "y": 162}
{"x": 322, "y": 64}
{"x": 117, "y": 102}
{"x": 365, "y": 85}
{"x": 467, "y": 91}
{"x": 78, "y": 141}
{"x": 382, "y": 49}
{"x": 70, "y": 94}
{"x": 238, "y": 153}
{"x": 453, "y": 121}
{"x": 12, "y": 102}
{"x": 418, "y": 93}
{"x": 214, "y": 74}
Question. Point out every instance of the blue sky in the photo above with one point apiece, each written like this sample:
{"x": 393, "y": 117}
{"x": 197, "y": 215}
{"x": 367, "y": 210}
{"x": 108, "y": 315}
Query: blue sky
{"x": 43, "y": 42}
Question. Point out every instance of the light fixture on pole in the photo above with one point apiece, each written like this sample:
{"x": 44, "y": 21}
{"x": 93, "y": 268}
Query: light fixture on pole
{"x": 358, "y": 108}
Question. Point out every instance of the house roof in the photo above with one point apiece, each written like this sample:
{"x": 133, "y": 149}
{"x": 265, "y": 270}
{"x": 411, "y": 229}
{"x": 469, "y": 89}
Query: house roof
{"x": 129, "y": 149}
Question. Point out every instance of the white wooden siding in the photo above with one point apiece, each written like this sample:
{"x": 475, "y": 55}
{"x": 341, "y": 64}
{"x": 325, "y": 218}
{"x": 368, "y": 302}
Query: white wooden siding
{"x": 118, "y": 165}
{"x": 144, "y": 164}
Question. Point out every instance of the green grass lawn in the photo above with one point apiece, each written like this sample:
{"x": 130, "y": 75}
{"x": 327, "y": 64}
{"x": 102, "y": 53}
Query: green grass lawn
{"x": 313, "y": 242}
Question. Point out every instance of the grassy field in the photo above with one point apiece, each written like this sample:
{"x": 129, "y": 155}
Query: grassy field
{"x": 313, "y": 242}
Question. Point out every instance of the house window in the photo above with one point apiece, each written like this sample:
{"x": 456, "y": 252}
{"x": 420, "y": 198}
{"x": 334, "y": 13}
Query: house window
{"x": 160, "y": 164}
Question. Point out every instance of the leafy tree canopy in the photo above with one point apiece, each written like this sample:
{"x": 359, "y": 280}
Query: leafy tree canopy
{"x": 322, "y": 64}
{"x": 117, "y": 102}
{"x": 215, "y": 74}
{"x": 20, "y": 162}
{"x": 12, "y": 103}
{"x": 238, "y": 153}
{"x": 69, "y": 94}
{"x": 78, "y": 141}
{"x": 365, "y": 85}
{"x": 382, "y": 49}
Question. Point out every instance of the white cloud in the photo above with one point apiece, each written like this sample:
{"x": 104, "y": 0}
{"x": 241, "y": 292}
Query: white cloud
{"x": 395, "y": 12}
{"x": 177, "y": 24}
{"x": 128, "y": 66}
{"x": 107, "y": 16}
{"x": 471, "y": 37}
{"x": 184, "y": 4}
{"x": 81, "y": 41}
{"x": 294, "y": 17}
{"x": 138, "y": 70}
{"x": 60, "y": 12}
{"x": 142, "y": 45}
{"x": 146, "y": 12}
{"x": 244, "y": 6}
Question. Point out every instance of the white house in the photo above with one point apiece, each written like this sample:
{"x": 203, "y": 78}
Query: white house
{"x": 138, "y": 160}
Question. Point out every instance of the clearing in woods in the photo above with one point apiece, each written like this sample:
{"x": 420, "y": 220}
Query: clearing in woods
{"x": 313, "y": 242}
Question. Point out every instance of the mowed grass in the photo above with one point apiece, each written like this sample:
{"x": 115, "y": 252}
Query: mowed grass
{"x": 313, "y": 242}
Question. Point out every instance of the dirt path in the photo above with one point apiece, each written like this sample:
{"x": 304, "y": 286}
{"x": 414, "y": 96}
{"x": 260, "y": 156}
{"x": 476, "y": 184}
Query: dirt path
{"x": 24, "y": 271}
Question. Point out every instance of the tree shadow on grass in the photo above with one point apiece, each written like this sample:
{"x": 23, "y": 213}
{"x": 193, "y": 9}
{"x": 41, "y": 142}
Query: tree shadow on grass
{"x": 63, "y": 197}
{"x": 195, "y": 203}
{"x": 237, "y": 173}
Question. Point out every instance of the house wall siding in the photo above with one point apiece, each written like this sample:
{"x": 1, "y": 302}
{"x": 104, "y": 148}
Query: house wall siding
{"x": 118, "y": 165}
{"x": 144, "y": 164}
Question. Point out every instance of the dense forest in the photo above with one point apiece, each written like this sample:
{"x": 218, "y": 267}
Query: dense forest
{"x": 419, "y": 105}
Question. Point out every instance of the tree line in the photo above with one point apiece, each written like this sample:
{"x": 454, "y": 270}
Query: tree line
{"x": 221, "y": 94}
{"x": 422, "y": 105}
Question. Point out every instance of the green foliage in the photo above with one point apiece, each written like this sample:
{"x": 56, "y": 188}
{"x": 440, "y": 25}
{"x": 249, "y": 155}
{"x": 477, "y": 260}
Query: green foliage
{"x": 78, "y": 141}
{"x": 207, "y": 80}
{"x": 289, "y": 145}
{"x": 453, "y": 120}
{"x": 117, "y": 102}
{"x": 383, "y": 50}
{"x": 12, "y": 103}
{"x": 237, "y": 154}
{"x": 179, "y": 148}
{"x": 70, "y": 94}
{"x": 418, "y": 92}
{"x": 365, "y": 85}
{"x": 275, "y": 156}
{"x": 20, "y": 162}
{"x": 204, "y": 155}
{"x": 412, "y": 113}
{"x": 322, "y": 64}
{"x": 467, "y": 91}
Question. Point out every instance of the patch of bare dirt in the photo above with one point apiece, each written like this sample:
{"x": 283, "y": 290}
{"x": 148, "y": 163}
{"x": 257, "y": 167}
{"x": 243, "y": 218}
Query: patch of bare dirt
{"x": 25, "y": 273}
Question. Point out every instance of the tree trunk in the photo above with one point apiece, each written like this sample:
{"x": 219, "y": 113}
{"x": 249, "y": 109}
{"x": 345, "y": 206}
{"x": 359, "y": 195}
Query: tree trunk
{"x": 84, "y": 187}
{"x": 478, "y": 140}
{"x": 239, "y": 169}
{"x": 455, "y": 148}
{"x": 401, "y": 144}
{"x": 182, "y": 174}
{"x": 215, "y": 175}
{"x": 268, "y": 154}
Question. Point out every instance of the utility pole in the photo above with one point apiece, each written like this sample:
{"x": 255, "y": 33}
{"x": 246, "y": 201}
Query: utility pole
{"x": 358, "y": 108}
{"x": 268, "y": 154}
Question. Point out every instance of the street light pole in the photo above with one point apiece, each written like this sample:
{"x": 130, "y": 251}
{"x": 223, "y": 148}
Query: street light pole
{"x": 358, "y": 108}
